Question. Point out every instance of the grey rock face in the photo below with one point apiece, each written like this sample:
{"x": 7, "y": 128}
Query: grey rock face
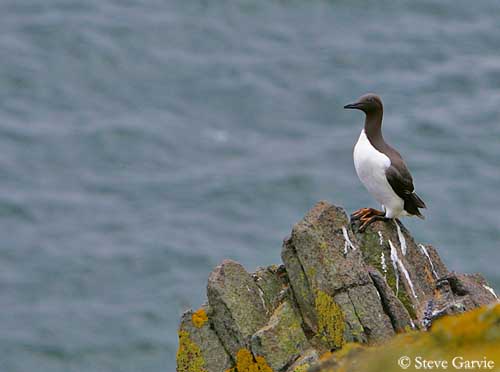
{"x": 282, "y": 340}
{"x": 322, "y": 258}
{"x": 301, "y": 288}
{"x": 400, "y": 319}
{"x": 337, "y": 285}
{"x": 200, "y": 339}
{"x": 272, "y": 284}
{"x": 237, "y": 304}
{"x": 308, "y": 359}
{"x": 456, "y": 293}
{"x": 410, "y": 269}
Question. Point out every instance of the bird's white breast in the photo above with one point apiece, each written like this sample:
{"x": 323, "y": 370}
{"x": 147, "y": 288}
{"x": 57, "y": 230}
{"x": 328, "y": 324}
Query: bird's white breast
{"x": 370, "y": 166}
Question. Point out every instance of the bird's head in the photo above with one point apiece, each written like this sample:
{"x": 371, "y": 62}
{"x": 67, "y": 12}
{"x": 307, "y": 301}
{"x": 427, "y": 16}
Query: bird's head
{"x": 367, "y": 103}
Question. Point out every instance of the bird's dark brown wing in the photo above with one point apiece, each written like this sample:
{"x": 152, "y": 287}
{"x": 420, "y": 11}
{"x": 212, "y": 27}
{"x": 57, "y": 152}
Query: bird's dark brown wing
{"x": 400, "y": 179}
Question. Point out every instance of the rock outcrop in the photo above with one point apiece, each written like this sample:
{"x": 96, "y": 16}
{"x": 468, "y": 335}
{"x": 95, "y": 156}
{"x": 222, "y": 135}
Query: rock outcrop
{"x": 468, "y": 341}
{"x": 337, "y": 286}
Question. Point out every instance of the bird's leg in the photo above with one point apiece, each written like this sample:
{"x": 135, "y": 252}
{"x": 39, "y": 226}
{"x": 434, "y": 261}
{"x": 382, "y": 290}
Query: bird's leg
{"x": 364, "y": 213}
{"x": 367, "y": 220}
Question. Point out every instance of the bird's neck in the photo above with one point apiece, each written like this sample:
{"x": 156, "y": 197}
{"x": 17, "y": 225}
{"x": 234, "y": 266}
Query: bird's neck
{"x": 373, "y": 128}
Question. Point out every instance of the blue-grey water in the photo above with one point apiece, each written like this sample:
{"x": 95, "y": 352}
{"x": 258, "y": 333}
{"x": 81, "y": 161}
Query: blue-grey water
{"x": 141, "y": 142}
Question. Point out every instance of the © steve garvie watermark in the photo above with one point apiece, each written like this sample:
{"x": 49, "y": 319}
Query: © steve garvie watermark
{"x": 456, "y": 362}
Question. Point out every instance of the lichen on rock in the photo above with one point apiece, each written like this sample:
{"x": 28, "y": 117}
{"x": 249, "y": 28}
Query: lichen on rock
{"x": 189, "y": 357}
{"x": 338, "y": 292}
{"x": 246, "y": 362}
{"x": 330, "y": 320}
{"x": 282, "y": 340}
{"x": 309, "y": 358}
{"x": 316, "y": 260}
{"x": 272, "y": 286}
{"x": 199, "y": 345}
{"x": 237, "y": 308}
{"x": 199, "y": 318}
{"x": 474, "y": 335}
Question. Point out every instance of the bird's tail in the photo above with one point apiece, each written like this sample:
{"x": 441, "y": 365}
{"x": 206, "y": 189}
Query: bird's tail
{"x": 417, "y": 200}
{"x": 413, "y": 203}
{"x": 420, "y": 215}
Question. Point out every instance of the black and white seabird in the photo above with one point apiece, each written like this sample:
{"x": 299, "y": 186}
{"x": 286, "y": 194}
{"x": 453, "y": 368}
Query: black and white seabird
{"x": 382, "y": 169}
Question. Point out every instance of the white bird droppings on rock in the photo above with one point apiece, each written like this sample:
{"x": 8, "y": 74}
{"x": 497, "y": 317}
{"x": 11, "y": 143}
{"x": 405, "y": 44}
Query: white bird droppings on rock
{"x": 401, "y": 266}
{"x": 348, "y": 242}
{"x": 383, "y": 264}
{"x": 402, "y": 240}
{"x": 380, "y": 238}
{"x": 395, "y": 259}
{"x": 491, "y": 290}
{"x": 261, "y": 295}
{"x": 424, "y": 251}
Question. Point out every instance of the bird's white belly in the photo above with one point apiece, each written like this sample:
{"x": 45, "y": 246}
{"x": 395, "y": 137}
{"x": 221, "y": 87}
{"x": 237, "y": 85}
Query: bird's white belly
{"x": 370, "y": 166}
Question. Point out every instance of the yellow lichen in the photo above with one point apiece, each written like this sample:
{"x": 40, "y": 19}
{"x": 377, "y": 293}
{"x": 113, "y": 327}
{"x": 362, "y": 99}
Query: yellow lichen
{"x": 330, "y": 320}
{"x": 347, "y": 349}
{"x": 189, "y": 358}
{"x": 199, "y": 318}
{"x": 471, "y": 326}
{"x": 326, "y": 355}
{"x": 472, "y": 336}
{"x": 303, "y": 368}
{"x": 311, "y": 272}
{"x": 245, "y": 362}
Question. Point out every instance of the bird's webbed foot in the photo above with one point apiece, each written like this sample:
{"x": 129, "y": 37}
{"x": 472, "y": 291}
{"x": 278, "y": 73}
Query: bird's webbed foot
{"x": 366, "y": 212}
{"x": 366, "y": 216}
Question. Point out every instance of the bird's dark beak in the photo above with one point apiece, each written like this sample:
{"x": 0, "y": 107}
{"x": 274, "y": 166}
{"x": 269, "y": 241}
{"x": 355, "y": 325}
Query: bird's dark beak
{"x": 355, "y": 105}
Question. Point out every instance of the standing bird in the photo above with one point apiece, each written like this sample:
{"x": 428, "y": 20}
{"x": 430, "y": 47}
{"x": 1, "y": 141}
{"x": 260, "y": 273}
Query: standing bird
{"x": 382, "y": 169}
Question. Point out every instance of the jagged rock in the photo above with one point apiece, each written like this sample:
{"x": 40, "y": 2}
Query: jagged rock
{"x": 460, "y": 339}
{"x": 456, "y": 293}
{"x": 199, "y": 347}
{"x": 436, "y": 268}
{"x": 237, "y": 305}
{"x": 417, "y": 276}
{"x": 472, "y": 286}
{"x": 282, "y": 340}
{"x": 308, "y": 359}
{"x": 410, "y": 269}
{"x": 400, "y": 319}
{"x": 301, "y": 289}
{"x": 330, "y": 281}
{"x": 337, "y": 285}
{"x": 271, "y": 281}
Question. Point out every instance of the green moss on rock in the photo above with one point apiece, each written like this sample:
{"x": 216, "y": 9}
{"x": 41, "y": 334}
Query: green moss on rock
{"x": 372, "y": 251}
